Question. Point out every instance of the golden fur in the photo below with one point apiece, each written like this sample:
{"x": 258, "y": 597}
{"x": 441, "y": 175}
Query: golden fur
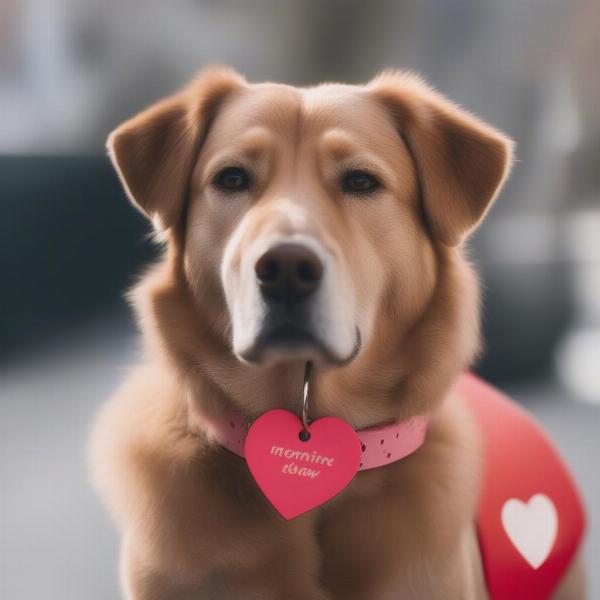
{"x": 194, "y": 523}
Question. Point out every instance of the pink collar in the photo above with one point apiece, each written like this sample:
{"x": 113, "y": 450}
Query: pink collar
{"x": 380, "y": 445}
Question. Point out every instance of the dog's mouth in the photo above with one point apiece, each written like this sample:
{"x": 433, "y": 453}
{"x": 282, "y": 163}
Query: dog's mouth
{"x": 286, "y": 341}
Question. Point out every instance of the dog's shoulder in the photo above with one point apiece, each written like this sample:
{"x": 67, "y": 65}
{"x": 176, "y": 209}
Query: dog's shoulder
{"x": 139, "y": 430}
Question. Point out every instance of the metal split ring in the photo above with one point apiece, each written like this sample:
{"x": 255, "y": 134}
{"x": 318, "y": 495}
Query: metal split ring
{"x": 305, "y": 418}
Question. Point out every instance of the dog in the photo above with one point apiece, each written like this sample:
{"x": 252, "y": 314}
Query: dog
{"x": 321, "y": 225}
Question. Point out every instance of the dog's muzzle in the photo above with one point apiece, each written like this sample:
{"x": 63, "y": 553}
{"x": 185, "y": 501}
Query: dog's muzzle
{"x": 289, "y": 301}
{"x": 288, "y": 276}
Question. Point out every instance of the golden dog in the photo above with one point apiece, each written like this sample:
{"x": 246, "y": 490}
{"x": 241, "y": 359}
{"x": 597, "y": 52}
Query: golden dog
{"x": 316, "y": 224}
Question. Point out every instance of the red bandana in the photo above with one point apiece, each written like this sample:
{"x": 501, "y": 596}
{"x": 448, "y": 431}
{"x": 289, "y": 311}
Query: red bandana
{"x": 531, "y": 518}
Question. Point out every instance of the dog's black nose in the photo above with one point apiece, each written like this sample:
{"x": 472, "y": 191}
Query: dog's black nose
{"x": 288, "y": 273}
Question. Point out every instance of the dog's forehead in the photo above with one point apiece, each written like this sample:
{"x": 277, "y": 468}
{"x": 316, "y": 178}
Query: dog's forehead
{"x": 289, "y": 111}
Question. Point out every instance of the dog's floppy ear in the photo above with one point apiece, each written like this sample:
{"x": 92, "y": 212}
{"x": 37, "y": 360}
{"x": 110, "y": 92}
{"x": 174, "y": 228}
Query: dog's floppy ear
{"x": 461, "y": 162}
{"x": 154, "y": 152}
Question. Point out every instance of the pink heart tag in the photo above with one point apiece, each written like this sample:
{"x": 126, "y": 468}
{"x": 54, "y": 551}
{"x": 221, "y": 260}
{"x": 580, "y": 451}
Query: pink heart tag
{"x": 297, "y": 476}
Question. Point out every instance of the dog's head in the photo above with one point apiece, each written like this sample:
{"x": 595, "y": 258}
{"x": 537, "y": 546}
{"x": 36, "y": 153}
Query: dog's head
{"x": 310, "y": 219}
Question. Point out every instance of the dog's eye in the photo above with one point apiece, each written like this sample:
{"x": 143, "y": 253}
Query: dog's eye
{"x": 232, "y": 179}
{"x": 359, "y": 182}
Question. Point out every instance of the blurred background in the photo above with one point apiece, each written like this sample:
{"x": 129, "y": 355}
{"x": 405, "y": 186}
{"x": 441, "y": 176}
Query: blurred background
{"x": 70, "y": 244}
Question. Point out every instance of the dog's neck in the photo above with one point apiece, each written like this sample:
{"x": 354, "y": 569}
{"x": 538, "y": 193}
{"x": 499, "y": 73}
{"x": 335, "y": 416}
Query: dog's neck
{"x": 401, "y": 377}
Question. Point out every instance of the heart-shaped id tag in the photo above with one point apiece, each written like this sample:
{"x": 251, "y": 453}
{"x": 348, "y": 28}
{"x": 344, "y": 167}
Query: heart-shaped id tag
{"x": 295, "y": 475}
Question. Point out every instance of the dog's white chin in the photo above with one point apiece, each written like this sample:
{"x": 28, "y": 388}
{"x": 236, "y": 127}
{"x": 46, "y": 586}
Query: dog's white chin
{"x": 272, "y": 355}
{"x": 269, "y": 354}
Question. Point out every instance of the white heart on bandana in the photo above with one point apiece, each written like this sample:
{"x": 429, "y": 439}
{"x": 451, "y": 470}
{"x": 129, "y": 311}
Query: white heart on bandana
{"x": 532, "y": 527}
